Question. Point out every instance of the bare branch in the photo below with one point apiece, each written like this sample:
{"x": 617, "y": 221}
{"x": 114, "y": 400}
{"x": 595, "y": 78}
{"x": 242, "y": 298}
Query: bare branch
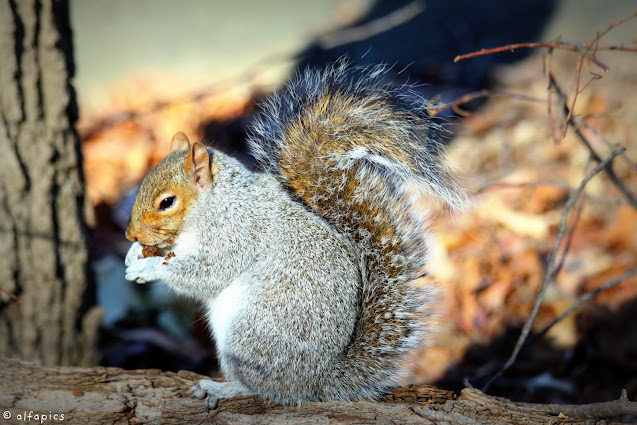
{"x": 549, "y": 99}
{"x": 536, "y": 183}
{"x": 569, "y": 239}
{"x": 375, "y": 27}
{"x": 618, "y": 48}
{"x": 587, "y": 51}
{"x": 614, "y": 25}
{"x": 584, "y": 298}
{"x": 436, "y": 108}
{"x": 608, "y": 169}
{"x": 569, "y": 116}
{"x": 11, "y": 295}
{"x": 549, "y": 274}
{"x": 569, "y": 46}
{"x": 581, "y": 123}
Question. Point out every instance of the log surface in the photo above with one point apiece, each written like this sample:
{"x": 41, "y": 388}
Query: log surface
{"x": 105, "y": 395}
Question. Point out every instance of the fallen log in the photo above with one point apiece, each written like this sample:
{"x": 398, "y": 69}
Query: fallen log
{"x": 30, "y": 393}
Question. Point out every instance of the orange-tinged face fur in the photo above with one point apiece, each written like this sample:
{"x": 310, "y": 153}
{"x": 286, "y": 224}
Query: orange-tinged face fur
{"x": 167, "y": 193}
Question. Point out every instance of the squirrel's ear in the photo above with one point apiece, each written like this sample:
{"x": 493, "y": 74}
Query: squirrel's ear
{"x": 180, "y": 142}
{"x": 197, "y": 165}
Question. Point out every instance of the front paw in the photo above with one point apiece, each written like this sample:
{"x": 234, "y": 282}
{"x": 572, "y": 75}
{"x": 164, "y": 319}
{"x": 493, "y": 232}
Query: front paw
{"x": 142, "y": 270}
{"x": 134, "y": 253}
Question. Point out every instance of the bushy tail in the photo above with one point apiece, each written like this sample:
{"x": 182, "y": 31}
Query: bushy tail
{"x": 364, "y": 156}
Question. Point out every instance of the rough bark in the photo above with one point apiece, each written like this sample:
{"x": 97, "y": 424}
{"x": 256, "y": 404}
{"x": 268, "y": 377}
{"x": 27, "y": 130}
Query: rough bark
{"x": 115, "y": 396}
{"x": 42, "y": 194}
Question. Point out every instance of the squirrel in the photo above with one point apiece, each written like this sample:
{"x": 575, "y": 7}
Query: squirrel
{"x": 314, "y": 271}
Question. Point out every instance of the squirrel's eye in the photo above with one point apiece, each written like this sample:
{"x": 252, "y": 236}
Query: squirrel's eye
{"x": 166, "y": 203}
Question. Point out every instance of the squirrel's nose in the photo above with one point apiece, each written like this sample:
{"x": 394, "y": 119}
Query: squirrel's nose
{"x": 130, "y": 236}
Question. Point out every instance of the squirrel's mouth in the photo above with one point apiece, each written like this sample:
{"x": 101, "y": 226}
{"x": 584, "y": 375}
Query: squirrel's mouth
{"x": 161, "y": 243}
{"x": 164, "y": 243}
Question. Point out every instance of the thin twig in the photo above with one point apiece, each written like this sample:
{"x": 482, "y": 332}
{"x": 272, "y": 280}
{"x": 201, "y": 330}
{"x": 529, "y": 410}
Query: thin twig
{"x": 549, "y": 274}
{"x": 549, "y": 99}
{"x": 523, "y": 185}
{"x": 578, "y": 72}
{"x": 437, "y": 108}
{"x": 569, "y": 46}
{"x": 587, "y": 296}
{"x": 245, "y": 76}
{"x": 587, "y": 51}
{"x": 530, "y": 184}
{"x": 618, "y": 49}
{"x": 576, "y": 129}
{"x": 372, "y": 28}
{"x": 563, "y": 45}
{"x": 11, "y": 295}
{"x": 615, "y": 24}
{"x": 569, "y": 239}
{"x": 588, "y": 83}
{"x": 584, "y": 124}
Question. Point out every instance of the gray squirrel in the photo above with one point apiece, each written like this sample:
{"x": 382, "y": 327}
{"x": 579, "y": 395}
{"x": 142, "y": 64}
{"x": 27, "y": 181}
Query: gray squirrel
{"x": 314, "y": 272}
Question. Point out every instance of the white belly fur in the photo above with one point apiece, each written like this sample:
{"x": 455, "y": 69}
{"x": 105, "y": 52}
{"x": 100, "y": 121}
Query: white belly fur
{"x": 224, "y": 309}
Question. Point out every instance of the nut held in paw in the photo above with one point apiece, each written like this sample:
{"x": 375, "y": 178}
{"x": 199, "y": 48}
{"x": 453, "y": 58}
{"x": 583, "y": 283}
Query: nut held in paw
{"x": 151, "y": 251}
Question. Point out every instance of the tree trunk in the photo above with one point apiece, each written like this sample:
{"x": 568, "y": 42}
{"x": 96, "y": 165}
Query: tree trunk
{"x": 42, "y": 196}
